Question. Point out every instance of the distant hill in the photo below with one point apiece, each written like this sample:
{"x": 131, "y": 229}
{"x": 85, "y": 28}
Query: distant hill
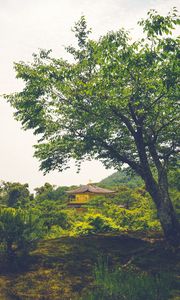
{"x": 122, "y": 178}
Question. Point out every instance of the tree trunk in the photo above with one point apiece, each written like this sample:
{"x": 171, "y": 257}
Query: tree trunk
{"x": 158, "y": 190}
{"x": 169, "y": 221}
{"x": 165, "y": 209}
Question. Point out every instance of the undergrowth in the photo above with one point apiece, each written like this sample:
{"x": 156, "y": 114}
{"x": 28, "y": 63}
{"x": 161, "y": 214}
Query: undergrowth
{"x": 128, "y": 284}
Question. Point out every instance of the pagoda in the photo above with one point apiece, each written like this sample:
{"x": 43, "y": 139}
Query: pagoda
{"x": 82, "y": 195}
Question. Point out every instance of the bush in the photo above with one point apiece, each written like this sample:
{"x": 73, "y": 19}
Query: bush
{"x": 19, "y": 229}
{"x": 82, "y": 228}
{"x": 52, "y": 214}
{"x": 135, "y": 219}
{"x": 55, "y": 232}
{"x": 101, "y": 223}
{"x": 93, "y": 223}
{"x": 129, "y": 284}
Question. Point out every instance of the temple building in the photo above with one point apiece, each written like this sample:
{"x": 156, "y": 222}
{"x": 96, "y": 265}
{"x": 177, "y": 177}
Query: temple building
{"x": 82, "y": 195}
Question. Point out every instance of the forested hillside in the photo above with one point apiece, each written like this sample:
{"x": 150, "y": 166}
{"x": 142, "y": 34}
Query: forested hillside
{"x": 122, "y": 178}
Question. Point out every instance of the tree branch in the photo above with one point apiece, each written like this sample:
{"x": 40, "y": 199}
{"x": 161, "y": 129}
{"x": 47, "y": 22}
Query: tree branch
{"x": 156, "y": 100}
{"x": 154, "y": 155}
{"x": 165, "y": 125}
{"x": 124, "y": 119}
{"x": 134, "y": 117}
{"x": 134, "y": 165}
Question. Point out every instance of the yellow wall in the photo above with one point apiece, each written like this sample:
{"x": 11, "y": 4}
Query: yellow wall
{"x": 82, "y": 198}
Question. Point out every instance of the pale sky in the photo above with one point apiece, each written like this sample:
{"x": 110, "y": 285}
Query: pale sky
{"x": 26, "y": 26}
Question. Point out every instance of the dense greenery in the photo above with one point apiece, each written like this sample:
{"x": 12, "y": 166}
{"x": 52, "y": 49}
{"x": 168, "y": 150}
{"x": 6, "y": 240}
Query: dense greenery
{"x": 131, "y": 210}
{"x": 116, "y": 101}
{"x": 25, "y": 218}
{"x": 15, "y": 194}
{"x": 50, "y": 192}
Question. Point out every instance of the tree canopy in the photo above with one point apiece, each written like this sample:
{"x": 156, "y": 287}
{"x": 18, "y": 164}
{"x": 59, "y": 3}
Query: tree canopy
{"x": 94, "y": 106}
{"x": 15, "y": 194}
{"x": 116, "y": 101}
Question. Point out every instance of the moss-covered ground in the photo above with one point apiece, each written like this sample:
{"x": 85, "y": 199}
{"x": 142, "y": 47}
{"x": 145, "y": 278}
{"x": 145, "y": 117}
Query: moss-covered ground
{"x": 61, "y": 269}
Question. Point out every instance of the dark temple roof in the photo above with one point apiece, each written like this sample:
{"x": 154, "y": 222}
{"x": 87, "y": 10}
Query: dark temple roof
{"x": 90, "y": 189}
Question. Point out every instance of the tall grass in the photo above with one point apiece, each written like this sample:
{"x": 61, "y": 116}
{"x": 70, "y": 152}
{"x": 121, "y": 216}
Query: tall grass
{"x": 128, "y": 284}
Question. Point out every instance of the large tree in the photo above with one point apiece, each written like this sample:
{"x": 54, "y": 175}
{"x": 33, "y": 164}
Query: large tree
{"x": 116, "y": 101}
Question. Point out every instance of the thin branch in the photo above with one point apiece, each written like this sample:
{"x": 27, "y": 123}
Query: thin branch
{"x": 165, "y": 125}
{"x": 154, "y": 155}
{"x": 156, "y": 100}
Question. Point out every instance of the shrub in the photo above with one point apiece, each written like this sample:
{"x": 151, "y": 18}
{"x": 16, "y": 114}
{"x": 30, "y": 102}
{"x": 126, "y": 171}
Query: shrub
{"x": 93, "y": 223}
{"x": 18, "y": 229}
{"x": 55, "y": 232}
{"x": 101, "y": 223}
{"x": 52, "y": 214}
{"x": 82, "y": 228}
{"x": 135, "y": 219}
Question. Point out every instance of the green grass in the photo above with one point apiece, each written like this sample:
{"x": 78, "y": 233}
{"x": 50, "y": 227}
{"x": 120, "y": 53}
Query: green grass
{"x": 129, "y": 284}
{"x": 63, "y": 269}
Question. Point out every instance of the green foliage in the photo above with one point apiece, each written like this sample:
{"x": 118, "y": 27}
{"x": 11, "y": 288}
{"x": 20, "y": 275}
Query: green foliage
{"x": 82, "y": 228}
{"x": 141, "y": 214}
{"x": 19, "y": 229}
{"x": 124, "y": 196}
{"x": 92, "y": 223}
{"x": 174, "y": 178}
{"x": 51, "y": 203}
{"x": 104, "y": 215}
{"x": 101, "y": 223}
{"x": 94, "y": 106}
{"x": 158, "y": 25}
{"x": 175, "y": 195}
{"x": 51, "y": 213}
{"x": 15, "y": 194}
{"x": 122, "y": 178}
{"x": 99, "y": 201}
{"x": 50, "y": 192}
{"x": 128, "y": 197}
{"x": 133, "y": 219}
{"x": 116, "y": 101}
{"x": 129, "y": 284}
{"x": 55, "y": 232}
{"x": 130, "y": 210}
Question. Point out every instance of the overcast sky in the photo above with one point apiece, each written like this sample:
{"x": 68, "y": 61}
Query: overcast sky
{"x": 25, "y": 26}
